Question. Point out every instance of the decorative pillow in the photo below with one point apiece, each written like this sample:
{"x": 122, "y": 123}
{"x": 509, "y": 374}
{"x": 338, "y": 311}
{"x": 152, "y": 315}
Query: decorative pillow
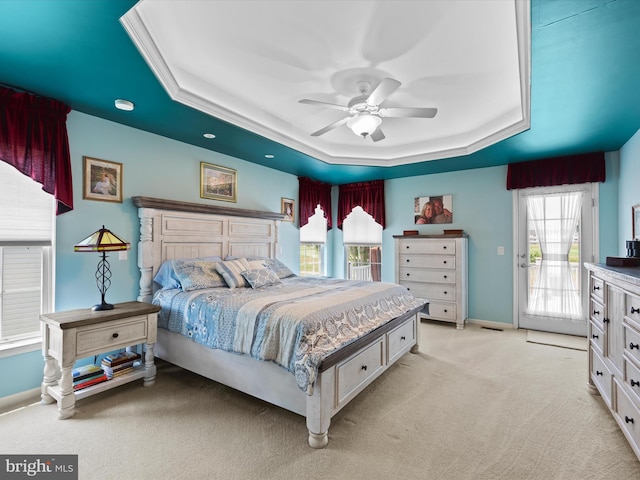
{"x": 231, "y": 271}
{"x": 273, "y": 263}
{"x": 197, "y": 274}
{"x": 166, "y": 276}
{"x": 260, "y": 277}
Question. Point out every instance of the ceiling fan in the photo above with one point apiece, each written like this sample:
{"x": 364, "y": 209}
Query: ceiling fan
{"x": 365, "y": 114}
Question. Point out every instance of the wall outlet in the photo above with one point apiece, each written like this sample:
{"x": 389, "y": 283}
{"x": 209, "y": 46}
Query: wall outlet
{"x": 500, "y": 250}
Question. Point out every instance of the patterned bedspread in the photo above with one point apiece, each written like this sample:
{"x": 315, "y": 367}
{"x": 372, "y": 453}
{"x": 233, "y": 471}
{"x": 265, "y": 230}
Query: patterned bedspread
{"x": 296, "y": 323}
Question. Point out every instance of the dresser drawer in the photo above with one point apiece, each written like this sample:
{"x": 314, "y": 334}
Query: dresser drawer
{"x": 432, "y": 246}
{"x": 601, "y": 376}
{"x": 633, "y": 307}
{"x": 597, "y": 337}
{"x": 357, "y": 370}
{"x": 632, "y": 378}
{"x": 442, "y": 311}
{"x": 632, "y": 342}
{"x": 428, "y": 276}
{"x": 428, "y": 261}
{"x": 628, "y": 415}
{"x": 111, "y": 336}
{"x": 401, "y": 339}
{"x": 597, "y": 312}
{"x": 597, "y": 287}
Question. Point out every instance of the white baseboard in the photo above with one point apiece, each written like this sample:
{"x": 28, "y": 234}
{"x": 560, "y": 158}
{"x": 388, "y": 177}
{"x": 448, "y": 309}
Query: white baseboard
{"x": 11, "y": 402}
{"x": 492, "y": 325}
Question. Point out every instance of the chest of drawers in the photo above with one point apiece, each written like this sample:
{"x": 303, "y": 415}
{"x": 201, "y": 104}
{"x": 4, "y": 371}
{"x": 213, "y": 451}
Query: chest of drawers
{"x": 614, "y": 344}
{"x": 434, "y": 267}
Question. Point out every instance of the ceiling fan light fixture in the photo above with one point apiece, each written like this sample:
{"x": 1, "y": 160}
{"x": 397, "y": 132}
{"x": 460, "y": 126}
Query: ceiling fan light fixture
{"x": 364, "y": 124}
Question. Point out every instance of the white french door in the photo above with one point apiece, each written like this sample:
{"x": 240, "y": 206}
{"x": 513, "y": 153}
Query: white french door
{"x": 554, "y": 237}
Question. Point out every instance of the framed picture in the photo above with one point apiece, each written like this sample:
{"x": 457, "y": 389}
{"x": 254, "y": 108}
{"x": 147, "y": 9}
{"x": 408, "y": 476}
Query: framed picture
{"x": 102, "y": 180}
{"x": 433, "y": 209}
{"x": 218, "y": 183}
{"x": 635, "y": 222}
{"x": 287, "y": 207}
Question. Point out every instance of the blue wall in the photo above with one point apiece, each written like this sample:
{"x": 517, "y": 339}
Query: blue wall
{"x": 155, "y": 166}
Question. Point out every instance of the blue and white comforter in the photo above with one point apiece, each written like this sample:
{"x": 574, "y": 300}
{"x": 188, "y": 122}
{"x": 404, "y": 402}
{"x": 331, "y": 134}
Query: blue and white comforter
{"x": 296, "y": 323}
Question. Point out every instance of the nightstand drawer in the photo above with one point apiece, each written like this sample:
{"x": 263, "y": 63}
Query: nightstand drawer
{"x": 110, "y": 336}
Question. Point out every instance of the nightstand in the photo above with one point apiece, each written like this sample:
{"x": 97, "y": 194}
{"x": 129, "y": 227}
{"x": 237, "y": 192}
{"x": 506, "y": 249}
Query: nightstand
{"x": 69, "y": 336}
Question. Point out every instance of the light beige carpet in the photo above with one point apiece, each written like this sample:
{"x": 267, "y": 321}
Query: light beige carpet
{"x": 474, "y": 404}
{"x": 557, "y": 340}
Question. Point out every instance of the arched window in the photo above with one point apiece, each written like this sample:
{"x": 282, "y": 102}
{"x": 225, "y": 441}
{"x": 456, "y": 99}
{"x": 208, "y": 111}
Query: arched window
{"x": 313, "y": 238}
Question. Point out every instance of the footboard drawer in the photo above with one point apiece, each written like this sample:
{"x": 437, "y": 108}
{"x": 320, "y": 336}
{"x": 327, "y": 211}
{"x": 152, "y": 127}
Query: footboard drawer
{"x": 355, "y": 371}
{"x": 401, "y": 339}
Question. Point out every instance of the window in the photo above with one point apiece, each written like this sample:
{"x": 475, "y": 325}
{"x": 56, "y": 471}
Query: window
{"x": 313, "y": 237}
{"x": 27, "y": 221}
{"x": 363, "y": 246}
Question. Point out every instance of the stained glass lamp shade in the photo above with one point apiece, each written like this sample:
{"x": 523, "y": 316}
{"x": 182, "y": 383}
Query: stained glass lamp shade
{"x": 102, "y": 241}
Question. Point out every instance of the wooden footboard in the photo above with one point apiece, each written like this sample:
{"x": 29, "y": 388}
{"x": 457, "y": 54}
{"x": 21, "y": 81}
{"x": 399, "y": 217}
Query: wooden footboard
{"x": 342, "y": 376}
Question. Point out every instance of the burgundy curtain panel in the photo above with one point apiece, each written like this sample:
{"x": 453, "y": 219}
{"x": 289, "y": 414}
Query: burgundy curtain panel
{"x": 312, "y": 193}
{"x": 33, "y": 138}
{"x": 368, "y": 195}
{"x": 569, "y": 170}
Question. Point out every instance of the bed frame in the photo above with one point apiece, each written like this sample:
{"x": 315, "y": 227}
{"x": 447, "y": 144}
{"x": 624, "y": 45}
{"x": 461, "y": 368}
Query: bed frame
{"x": 171, "y": 230}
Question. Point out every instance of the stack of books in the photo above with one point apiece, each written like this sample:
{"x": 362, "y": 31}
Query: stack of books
{"x": 87, "y": 375}
{"x": 119, "y": 363}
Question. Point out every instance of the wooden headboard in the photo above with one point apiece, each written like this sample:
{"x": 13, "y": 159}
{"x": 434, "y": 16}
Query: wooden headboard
{"x": 172, "y": 229}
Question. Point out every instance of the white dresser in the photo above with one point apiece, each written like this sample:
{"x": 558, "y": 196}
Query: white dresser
{"x": 434, "y": 267}
{"x": 614, "y": 344}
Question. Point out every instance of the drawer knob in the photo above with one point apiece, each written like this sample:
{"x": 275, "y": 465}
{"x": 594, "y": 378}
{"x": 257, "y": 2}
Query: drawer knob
{"x": 364, "y": 367}
{"x": 596, "y": 312}
{"x": 634, "y": 345}
{"x": 635, "y": 310}
{"x": 444, "y": 246}
{"x": 596, "y": 287}
{"x": 445, "y": 292}
{"x": 594, "y": 336}
{"x": 598, "y": 373}
{"x": 444, "y": 262}
{"x": 115, "y": 335}
{"x": 605, "y": 320}
{"x": 634, "y": 383}
{"x": 407, "y": 247}
{"x": 407, "y": 260}
{"x": 628, "y": 420}
{"x": 408, "y": 274}
{"x": 404, "y": 338}
{"x": 445, "y": 276}
{"x": 445, "y": 310}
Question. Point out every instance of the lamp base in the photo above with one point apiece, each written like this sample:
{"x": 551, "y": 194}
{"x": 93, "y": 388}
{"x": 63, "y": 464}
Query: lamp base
{"x": 102, "y": 306}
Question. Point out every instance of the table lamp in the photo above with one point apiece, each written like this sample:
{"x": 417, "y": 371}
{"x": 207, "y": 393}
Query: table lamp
{"x": 102, "y": 241}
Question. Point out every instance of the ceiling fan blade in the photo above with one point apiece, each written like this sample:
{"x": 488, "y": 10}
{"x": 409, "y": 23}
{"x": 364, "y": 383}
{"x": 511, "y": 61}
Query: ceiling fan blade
{"x": 324, "y": 104}
{"x": 324, "y": 130}
{"x": 377, "y": 135}
{"x": 386, "y": 87}
{"x": 408, "y": 112}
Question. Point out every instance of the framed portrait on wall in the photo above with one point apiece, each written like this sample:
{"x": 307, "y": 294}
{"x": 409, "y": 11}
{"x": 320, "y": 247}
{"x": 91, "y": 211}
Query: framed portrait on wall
{"x": 287, "y": 208}
{"x": 218, "y": 183}
{"x": 102, "y": 180}
{"x": 433, "y": 209}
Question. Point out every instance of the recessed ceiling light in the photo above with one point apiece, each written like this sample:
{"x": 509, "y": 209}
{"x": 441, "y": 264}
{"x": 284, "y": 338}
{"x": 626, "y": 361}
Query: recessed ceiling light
{"x": 125, "y": 105}
{"x": 268, "y": 155}
{"x": 209, "y": 135}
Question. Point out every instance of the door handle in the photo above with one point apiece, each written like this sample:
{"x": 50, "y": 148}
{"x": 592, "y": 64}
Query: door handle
{"x": 524, "y": 265}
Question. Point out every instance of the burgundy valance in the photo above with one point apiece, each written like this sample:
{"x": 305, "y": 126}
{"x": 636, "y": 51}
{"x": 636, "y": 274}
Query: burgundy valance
{"x": 312, "y": 193}
{"x": 573, "y": 169}
{"x": 368, "y": 195}
{"x": 33, "y": 138}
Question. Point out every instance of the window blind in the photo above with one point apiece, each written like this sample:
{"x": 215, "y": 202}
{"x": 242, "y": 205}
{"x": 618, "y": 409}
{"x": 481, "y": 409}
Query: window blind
{"x": 359, "y": 228}
{"x": 316, "y": 230}
{"x": 25, "y": 209}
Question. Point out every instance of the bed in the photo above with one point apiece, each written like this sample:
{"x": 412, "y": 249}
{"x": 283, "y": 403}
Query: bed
{"x": 309, "y": 345}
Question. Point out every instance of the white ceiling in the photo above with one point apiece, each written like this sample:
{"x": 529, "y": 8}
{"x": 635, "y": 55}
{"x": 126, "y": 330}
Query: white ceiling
{"x": 250, "y": 62}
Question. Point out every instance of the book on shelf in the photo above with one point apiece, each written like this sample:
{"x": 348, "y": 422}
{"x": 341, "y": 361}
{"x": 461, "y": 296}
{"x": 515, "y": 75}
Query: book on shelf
{"x": 120, "y": 369}
{"x": 120, "y": 358}
{"x": 85, "y": 378}
{"x": 92, "y": 381}
{"x": 85, "y": 371}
